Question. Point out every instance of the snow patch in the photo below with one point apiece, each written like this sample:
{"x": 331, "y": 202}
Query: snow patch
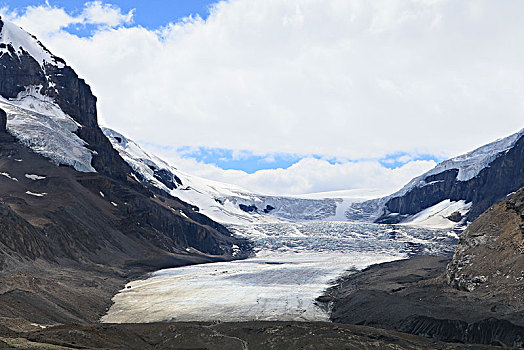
{"x": 437, "y": 215}
{"x": 35, "y": 194}
{"x": 34, "y": 177}
{"x": 9, "y": 176}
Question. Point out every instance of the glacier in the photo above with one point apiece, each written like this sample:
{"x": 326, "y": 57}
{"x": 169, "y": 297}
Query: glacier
{"x": 41, "y": 125}
{"x": 294, "y": 264}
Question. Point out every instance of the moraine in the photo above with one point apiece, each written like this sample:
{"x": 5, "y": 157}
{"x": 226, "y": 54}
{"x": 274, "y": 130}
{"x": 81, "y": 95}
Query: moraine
{"x": 294, "y": 263}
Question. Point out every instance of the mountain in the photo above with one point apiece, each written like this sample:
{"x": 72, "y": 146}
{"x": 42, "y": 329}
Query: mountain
{"x": 71, "y": 208}
{"x": 477, "y": 297}
{"x": 489, "y": 258}
{"x": 456, "y": 190}
{"x": 220, "y": 201}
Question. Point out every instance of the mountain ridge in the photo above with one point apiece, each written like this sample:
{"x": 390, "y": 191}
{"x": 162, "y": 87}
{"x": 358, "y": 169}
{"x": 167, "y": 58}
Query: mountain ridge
{"x": 72, "y": 211}
{"x": 481, "y": 178}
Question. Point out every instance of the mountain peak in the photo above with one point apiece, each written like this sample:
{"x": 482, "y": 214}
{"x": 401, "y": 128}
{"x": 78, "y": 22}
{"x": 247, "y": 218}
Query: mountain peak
{"x": 16, "y": 41}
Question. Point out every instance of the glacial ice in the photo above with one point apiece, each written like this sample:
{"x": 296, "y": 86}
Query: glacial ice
{"x": 294, "y": 263}
{"x": 41, "y": 125}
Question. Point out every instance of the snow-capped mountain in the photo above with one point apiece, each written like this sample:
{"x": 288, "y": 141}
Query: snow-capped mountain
{"x": 220, "y": 201}
{"x": 61, "y": 124}
{"x": 457, "y": 189}
{"x": 66, "y": 191}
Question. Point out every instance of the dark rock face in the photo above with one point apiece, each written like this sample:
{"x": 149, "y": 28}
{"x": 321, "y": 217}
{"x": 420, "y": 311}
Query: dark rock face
{"x": 74, "y": 97}
{"x": 268, "y": 209}
{"x": 167, "y": 178}
{"x": 455, "y": 217}
{"x": 504, "y": 175}
{"x": 248, "y": 208}
{"x": 490, "y": 331}
{"x": 3, "y": 121}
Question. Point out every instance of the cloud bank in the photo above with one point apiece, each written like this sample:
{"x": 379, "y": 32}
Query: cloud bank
{"x": 348, "y": 79}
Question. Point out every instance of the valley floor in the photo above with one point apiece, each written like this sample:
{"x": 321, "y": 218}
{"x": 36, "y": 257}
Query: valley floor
{"x": 58, "y": 297}
{"x": 230, "y": 336}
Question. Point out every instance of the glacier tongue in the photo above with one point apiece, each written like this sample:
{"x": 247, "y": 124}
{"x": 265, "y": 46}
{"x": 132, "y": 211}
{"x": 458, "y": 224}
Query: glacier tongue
{"x": 42, "y": 126}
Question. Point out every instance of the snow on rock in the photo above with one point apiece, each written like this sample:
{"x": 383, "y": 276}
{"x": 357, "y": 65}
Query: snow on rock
{"x": 440, "y": 215}
{"x": 9, "y": 176}
{"x": 223, "y": 202}
{"x": 20, "y": 41}
{"x": 41, "y": 125}
{"x": 35, "y": 194}
{"x": 468, "y": 165}
{"x": 34, "y": 177}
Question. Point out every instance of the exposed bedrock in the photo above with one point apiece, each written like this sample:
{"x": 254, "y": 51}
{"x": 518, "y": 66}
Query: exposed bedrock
{"x": 3, "y": 121}
{"x": 503, "y": 176}
{"x": 413, "y": 296}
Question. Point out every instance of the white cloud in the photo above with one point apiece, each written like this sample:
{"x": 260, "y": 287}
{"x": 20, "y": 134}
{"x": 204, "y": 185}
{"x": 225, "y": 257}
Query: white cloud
{"x": 309, "y": 175}
{"x": 98, "y": 13}
{"x": 349, "y": 79}
{"x": 353, "y": 79}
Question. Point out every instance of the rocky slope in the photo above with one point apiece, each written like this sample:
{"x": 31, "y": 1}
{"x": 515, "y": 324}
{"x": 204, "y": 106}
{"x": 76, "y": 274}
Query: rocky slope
{"x": 75, "y": 222}
{"x": 477, "y": 297}
{"x": 227, "y": 336}
{"x": 489, "y": 259}
{"x": 472, "y": 182}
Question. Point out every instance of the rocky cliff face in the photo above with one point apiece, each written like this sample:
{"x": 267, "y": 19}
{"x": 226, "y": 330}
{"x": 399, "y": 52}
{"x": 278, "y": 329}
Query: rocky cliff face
{"x": 503, "y": 176}
{"x": 474, "y": 181}
{"x": 489, "y": 259}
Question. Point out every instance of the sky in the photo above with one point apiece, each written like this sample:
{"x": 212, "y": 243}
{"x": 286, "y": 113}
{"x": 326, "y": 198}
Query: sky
{"x": 295, "y": 96}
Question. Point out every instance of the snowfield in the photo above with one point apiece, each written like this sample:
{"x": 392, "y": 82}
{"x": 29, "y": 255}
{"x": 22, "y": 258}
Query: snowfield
{"x": 41, "y": 125}
{"x": 21, "y": 40}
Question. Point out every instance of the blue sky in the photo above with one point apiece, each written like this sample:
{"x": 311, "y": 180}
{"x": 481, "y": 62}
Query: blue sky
{"x": 148, "y": 13}
{"x": 250, "y": 163}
